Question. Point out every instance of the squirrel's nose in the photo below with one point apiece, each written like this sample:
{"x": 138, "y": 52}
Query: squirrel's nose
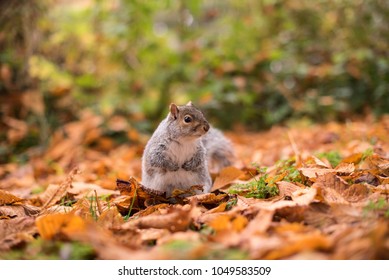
{"x": 206, "y": 127}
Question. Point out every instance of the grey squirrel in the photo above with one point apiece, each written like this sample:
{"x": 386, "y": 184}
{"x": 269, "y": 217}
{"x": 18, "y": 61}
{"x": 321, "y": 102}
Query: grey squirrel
{"x": 179, "y": 152}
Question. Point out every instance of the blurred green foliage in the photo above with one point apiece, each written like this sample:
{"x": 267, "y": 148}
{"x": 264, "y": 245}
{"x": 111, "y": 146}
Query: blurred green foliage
{"x": 243, "y": 61}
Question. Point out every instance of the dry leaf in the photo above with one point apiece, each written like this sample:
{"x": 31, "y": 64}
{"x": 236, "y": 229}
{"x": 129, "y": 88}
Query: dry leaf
{"x": 287, "y": 188}
{"x": 177, "y": 219}
{"x": 220, "y": 208}
{"x": 56, "y": 193}
{"x": 334, "y": 189}
{"x": 227, "y": 176}
{"x": 306, "y": 242}
{"x": 81, "y": 189}
{"x": 7, "y": 198}
{"x": 110, "y": 218}
{"x": 354, "y": 158}
{"x": 53, "y": 225}
{"x": 12, "y": 226}
{"x": 13, "y": 211}
{"x": 151, "y": 234}
{"x": 345, "y": 168}
{"x": 260, "y": 224}
{"x": 207, "y": 198}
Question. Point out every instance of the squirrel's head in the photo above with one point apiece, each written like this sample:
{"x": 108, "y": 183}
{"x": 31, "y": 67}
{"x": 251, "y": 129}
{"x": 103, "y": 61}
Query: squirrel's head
{"x": 189, "y": 121}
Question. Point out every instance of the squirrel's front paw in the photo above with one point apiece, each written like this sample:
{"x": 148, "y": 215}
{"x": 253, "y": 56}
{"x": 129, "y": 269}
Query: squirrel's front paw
{"x": 173, "y": 167}
{"x": 187, "y": 166}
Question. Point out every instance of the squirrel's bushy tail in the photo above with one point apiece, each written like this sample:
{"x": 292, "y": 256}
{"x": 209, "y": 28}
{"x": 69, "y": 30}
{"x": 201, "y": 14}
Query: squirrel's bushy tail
{"x": 220, "y": 152}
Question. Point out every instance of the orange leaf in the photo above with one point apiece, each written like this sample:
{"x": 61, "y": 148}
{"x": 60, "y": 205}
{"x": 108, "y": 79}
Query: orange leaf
{"x": 220, "y": 223}
{"x": 53, "y": 225}
{"x": 7, "y": 198}
{"x": 239, "y": 223}
{"x": 220, "y": 208}
{"x": 226, "y": 176}
{"x": 305, "y": 243}
{"x": 354, "y": 158}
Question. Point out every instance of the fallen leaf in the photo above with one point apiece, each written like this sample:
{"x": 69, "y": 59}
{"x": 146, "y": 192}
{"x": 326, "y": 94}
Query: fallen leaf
{"x": 55, "y": 193}
{"x": 260, "y": 224}
{"x": 80, "y": 189}
{"x": 308, "y": 242}
{"x": 220, "y": 208}
{"x": 315, "y": 171}
{"x": 13, "y": 211}
{"x": 177, "y": 219}
{"x": 226, "y": 176}
{"x": 287, "y": 188}
{"x": 207, "y": 198}
{"x": 12, "y": 226}
{"x": 221, "y": 222}
{"x": 53, "y": 225}
{"x": 334, "y": 189}
{"x": 151, "y": 234}
{"x": 7, "y": 198}
{"x": 110, "y": 218}
{"x": 354, "y": 158}
{"x": 345, "y": 168}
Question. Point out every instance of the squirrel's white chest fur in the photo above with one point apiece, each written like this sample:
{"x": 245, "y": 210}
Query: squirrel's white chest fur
{"x": 166, "y": 180}
{"x": 181, "y": 153}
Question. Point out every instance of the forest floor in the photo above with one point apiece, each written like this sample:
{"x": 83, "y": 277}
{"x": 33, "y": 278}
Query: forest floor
{"x": 301, "y": 192}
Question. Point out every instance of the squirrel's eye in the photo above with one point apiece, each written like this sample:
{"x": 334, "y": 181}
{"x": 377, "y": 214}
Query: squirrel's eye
{"x": 187, "y": 119}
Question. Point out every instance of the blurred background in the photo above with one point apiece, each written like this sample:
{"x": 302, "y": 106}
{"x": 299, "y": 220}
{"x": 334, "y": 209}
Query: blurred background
{"x": 247, "y": 63}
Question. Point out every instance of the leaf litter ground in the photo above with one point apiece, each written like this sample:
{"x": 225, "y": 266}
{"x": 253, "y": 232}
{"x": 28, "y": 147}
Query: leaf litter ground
{"x": 307, "y": 192}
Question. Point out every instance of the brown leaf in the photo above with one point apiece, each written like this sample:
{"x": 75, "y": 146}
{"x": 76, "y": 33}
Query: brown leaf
{"x": 345, "y": 168}
{"x": 320, "y": 163}
{"x": 181, "y": 193}
{"x": 151, "y": 209}
{"x": 362, "y": 241}
{"x": 302, "y": 197}
{"x": 12, "y": 226}
{"x": 354, "y": 158}
{"x": 334, "y": 189}
{"x": 111, "y": 218}
{"x": 287, "y": 188}
{"x": 80, "y": 189}
{"x": 133, "y": 188}
{"x": 330, "y": 187}
{"x": 227, "y": 176}
{"x": 177, "y": 219}
{"x": 307, "y": 242}
{"x": 16, "y": 232}
{"x": 313, "y": 172}
{"x": 221, "y": 222}
{"x": 86, "y": 208}
{"x": 220, "y": 208}
{"x": 207, "y": 198}
{"x": 55, "y": 193}
{"x": 151, "y": 234}
{"x": 7, "y": 198}
{"x": 53, "y": 225}
{"x": 13, "y": 211}
{"x": 248, "y": 173}
{"x": 259, "y": 224}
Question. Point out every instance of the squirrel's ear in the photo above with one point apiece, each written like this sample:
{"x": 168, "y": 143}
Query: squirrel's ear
{"x": 189, "y": 103}
{"x": 174, "y": 110}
